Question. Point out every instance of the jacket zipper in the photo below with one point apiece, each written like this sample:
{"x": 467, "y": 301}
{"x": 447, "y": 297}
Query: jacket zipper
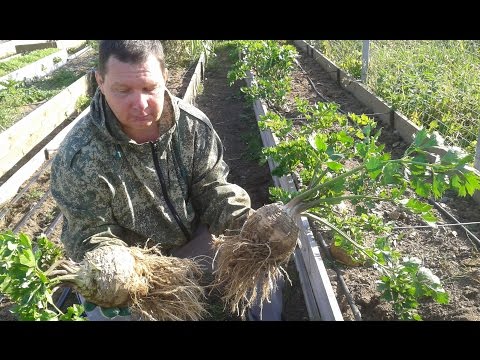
{"x": 164, "y": 191}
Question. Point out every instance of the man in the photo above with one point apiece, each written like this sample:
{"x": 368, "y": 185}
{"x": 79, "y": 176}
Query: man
{"x": 142, "y": 165}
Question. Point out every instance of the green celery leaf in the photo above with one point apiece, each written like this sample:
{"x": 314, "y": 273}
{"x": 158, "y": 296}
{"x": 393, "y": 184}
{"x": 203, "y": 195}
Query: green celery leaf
{"x": 334, "y": 165}
{"x": 417, "y": 206}
{"x": 421, "y": 187}
{"x": 472, "y": 183}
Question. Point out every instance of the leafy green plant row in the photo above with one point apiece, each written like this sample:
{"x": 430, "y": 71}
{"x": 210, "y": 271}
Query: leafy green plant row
{"x": 435, "y": 83}
{"x": 271, "y": 65}
{"x": 340, "y": 161}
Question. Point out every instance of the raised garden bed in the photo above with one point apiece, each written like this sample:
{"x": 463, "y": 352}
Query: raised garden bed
{"x": 448, "y": 251}
{"x": 23, "y": 139}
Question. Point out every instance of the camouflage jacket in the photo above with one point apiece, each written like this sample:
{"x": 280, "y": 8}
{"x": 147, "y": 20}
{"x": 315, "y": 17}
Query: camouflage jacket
{"x": 111, "y": 191}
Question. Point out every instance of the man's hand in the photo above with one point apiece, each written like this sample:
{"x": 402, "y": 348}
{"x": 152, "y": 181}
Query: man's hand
{"x": 199, "y": 245}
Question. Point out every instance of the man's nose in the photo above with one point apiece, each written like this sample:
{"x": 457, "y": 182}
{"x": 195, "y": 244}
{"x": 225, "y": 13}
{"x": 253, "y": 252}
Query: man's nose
{"x": 140, "y": 101}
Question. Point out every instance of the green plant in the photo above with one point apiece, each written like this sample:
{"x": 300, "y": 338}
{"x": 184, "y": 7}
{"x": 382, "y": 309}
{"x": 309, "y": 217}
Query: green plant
{"x": 432, "y": 82}
{"x": 16, "y": 95}
{"x": 82, "y": 102}
{"x": 347, "y": 54}
{"x": 182, "y": 53}
{"x": 271, "y": 64}
{"x": 254, "y": 146}
{"x": 321, "y": 159}
{"x": 24, "y": 278}
{"x": 150, "y": 284}
{"x": 93, "y": 44}
{"x": 340, "y": 162}
{"x": 34, "y": 195}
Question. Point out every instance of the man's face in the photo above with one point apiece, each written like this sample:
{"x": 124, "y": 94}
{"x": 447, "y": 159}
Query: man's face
{"x": 135, "y": 93}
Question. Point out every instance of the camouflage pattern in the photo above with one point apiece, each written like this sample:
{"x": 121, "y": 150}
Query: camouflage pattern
{"x": 108, "y": 190}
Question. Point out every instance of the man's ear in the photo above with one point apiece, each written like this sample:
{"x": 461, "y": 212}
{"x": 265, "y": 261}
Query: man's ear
{"x": 99, "y": 80}
{"x": 165, "y": 75}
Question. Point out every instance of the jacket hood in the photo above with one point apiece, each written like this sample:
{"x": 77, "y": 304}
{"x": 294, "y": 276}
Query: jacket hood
{"x": 109, "y": 126}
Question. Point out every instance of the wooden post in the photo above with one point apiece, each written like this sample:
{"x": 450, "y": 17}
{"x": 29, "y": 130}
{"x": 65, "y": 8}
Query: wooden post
{"x": 365, "y": 54}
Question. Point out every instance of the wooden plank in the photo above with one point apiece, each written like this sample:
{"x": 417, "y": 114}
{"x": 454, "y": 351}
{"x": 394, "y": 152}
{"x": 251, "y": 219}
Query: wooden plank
{"x": 38, "y": 68}
{"x": 10, "y": 188}
{"x": 197, "y": 77}
{"x": 20, "y": 48}
{"x": 69, "y": 44}
{"x": 326, "y": 300}
{"x": 192, "y": 88}
{"x": 7, "y": 49}
{"x": 310, "y": 304}
{"x": 80, "y": 52}
{"x": 22, "y": 136}
{"x": 317, "y": 289}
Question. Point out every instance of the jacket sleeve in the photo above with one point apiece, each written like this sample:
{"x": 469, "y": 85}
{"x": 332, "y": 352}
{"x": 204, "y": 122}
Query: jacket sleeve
{"x": 84, "y": 198}
{"x": 222, "y": 205}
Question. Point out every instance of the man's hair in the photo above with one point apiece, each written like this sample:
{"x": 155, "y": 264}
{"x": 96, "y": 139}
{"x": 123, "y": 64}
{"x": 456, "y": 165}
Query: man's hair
{"x": 129, "y": 51}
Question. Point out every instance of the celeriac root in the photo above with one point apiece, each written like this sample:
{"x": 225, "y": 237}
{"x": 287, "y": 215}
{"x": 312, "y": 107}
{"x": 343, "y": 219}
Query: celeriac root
{"x": 155, "y": 287}
{"x": 251, "y": 262}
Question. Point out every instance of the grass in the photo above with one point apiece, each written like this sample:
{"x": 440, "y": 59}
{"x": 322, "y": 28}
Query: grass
{"x": 16, "y": 97}
{"x": 34, "y": 195}
{"x": 182, "y": 53}
{"x": 24, "y": 59}
{"x": 435, "y": 83}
